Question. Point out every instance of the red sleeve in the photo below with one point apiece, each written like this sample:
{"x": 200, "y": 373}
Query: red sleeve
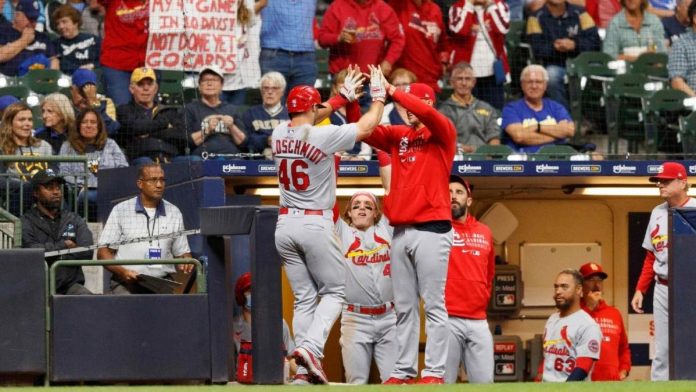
{"x": 395, "y": 35}
{"x": 383, "y": 158}
{"x": 381, "y": 138}
{"x": 330, "y": 28}
{"x": 647, "y": 274}
{"x": 624, "y": 348}
{"x": 353, "y": 112}
{"x": 442, "y": 45}
{"x": 335, "y": 209}
{"x": 461, "y": 19}
{"x": 500, "y": 13}
{"x": 336, "y": 102}
{"x": 584, "y": 363}
{"x": 439, "y": 125}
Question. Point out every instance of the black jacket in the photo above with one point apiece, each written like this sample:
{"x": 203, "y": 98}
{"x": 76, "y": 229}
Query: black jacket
{"x": 151, "y": 132}
{"x": 39, "y": 231}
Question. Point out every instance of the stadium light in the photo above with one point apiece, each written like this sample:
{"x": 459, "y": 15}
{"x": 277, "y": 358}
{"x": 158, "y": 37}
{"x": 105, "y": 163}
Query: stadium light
{"x": 340, "y": 192}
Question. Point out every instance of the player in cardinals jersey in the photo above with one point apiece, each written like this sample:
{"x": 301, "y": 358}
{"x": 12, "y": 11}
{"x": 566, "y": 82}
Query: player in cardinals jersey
{"x": 368, "y": 321}
{"x": 468, "y": 289}
{"x": 304, "y": 237}
{"x": 673, "y": 186}
{"x": 571, "y": 337}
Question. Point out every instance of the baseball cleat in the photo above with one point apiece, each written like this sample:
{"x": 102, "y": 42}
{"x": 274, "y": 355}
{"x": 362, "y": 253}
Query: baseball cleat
{"x": 300, "y": 379}
{"x": 430, "y": 380}
{"x": 399, "y": 381}
{"x": 307, "y": 360}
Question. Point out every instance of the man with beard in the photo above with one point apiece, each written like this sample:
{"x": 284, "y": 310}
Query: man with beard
{"x": 571, "y": 337}
{"x": 468, "y": 289}
{"x": 47, "y": 227}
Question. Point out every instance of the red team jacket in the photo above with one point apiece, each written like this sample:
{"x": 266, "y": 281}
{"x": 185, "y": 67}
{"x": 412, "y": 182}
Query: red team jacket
{"x": 126, "y": 32}
{"x": 471, "y": 270}
{"x": 615, "y": 354}
{"x": 379, "y": 35}
{"x": 421, "y": 164}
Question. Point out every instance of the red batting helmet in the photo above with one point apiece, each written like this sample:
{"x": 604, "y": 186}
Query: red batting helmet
{"x": 302, "y": 98}
{"x": 243, "y": 284}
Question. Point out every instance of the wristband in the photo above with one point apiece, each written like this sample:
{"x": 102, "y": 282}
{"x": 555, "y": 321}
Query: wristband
{"x": 337, "y": 101}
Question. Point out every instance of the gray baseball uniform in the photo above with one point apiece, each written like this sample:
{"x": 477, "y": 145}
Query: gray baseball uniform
{"x": 305, "y": 236}
{"x": 565, "y": 340}
{"x": 656, "y": 241}
{"x": 368, "y": 321}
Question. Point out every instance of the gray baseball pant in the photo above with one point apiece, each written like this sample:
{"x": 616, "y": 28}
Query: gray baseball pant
{"x": 363, "y": 336}
{"x": 660, "y": 364}
{"x": 472, "y": 341}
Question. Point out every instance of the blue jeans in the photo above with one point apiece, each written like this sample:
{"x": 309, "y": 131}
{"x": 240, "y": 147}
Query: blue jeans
{"x": 556, "y": 89}
{"x": 116, "y": 84}
{"x": 297, "y": 67}
{"x": 516, "y": 9}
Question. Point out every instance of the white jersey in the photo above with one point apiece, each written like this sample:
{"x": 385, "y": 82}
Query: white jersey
{"x": 367, "y": 256}
{"x": 565, "y": 340}
{"x": 656, "y": 235}
{"x": 304, "y": 158}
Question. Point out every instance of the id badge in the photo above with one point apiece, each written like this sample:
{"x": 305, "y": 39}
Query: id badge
{"x": 154, "y": 253}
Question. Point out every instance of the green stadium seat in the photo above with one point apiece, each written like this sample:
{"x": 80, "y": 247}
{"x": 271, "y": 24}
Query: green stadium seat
{"x": 19, "y": 92}
{"x": 490, "y": 152}
{"x": 663, "y": 110}
{"x": 519, "y": 56}
{"x": 625, "y": 113}
{"x": 653, "y": 65}
{"x": 555, "y": 152}
{"x": 171, "y": 91}
{"x": 687, "y": 135}
{"x": 42, "y": 81}
{"x": 586, "y": 75}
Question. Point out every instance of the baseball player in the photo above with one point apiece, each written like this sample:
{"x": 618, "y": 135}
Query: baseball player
{"x": 571, "y": 337}
{"x": 368, "y": 321}
{"x": 468, "y": 289}
{"x": 673, "y": 186}
{"x": 418, "y": 207}
{"x": 305, "y": 237}
{"x": 615, "y": 362}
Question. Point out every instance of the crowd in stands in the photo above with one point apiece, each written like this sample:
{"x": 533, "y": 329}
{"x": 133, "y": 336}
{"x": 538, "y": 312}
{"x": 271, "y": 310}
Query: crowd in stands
{"x": 458, "y": 49}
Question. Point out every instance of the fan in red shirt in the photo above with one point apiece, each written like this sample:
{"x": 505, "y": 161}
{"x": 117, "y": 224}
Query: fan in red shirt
{"x": 614, "y": 362}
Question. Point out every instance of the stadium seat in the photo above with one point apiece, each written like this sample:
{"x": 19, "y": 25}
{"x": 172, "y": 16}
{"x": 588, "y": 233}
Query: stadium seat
{"x": 519, "y": 56}
{"x": 687, "y": 135}
{"x": 171, "y": 91}
{"x": 490, "y": 152}
{"x": 42, "y": 81}
{"x": 624, "y": 97}
{"x": 555, "y": 152}
{"x": 586, "y": 75}
{"x": 662, "y": 111}
{"x": 653, "y": 65}
{"x": 19, "y": 92}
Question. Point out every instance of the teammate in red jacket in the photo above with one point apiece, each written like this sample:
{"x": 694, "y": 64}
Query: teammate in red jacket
{"x": 469, "y": 279}
{"x": 615, "y": 356}
{"x": 418, "y": 206}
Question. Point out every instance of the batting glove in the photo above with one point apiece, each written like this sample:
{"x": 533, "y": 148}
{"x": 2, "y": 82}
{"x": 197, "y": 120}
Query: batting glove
{"x": 378, "y": 90}
{"x": 351, "y": 85}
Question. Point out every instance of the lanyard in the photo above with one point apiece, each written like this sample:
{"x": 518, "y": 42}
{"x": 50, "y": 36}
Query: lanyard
{"x": 151, "y": 233}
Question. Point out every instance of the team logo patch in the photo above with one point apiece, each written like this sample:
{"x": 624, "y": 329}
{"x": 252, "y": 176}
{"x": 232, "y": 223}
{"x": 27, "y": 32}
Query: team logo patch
{"x": 593, "y": 345}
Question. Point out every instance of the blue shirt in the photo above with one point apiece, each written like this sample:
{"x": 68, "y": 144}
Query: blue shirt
{"x": 41, "y": 45}
{"x": 518, "y": 112}
{"x": 287, "y": 25}
{"x": 673, "y": 29}
{"x": 78, "y": 51}
{"x": 259, "y": 125}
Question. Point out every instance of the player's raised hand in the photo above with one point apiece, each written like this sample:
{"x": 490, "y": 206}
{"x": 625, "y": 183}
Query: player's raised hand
{"x": 378, "y": 90}
{"x": 352, "y": 85}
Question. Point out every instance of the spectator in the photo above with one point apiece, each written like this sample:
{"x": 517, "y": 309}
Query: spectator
{"x": 209, "y": 121}
{"x": 633, "y": 31}
{"x": 394, "y": 113}
{"x": 58, "y": 119}
{"x": 287, "y": 44}
{"x": 534, "y": 121}
{"x": 662, "y": 8}
{"x": 47, "y": 226}
{"x": 571, "y": 336}
{"x": 75, "y": 49}
{"x": 259, "y": 121}
{"x": 477, "y": 36}
{"x": 247, "y": 31}
{"x": 124, "y": 45}
{"x": 682, "y": 59}
{"x": 241, "y": 325}
{"x": 8, "y": 11}
{"x": 84, "y": 96}
{"x": 677, "y": 24}
{"x": 348, "y": 114}
{"x": 91, "y": 16}
{"x": 614, "y": 362}
{"x": 21, "y": 46}
{"x": 90, "y": 140}
{"x": 602, "y": 11}
{"x": 149, "y": 130}
{"x": 361, "y": 32}
{"x": 147, "y": 215}
{"x": 476, "y": 121}
{"x": 5, "y": 101}
{"x": 558, "y": 32}
{"x": 425, "y": 50}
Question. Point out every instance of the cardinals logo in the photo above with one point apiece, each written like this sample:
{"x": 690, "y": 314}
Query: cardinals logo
{"x": 564, "y": 336}
{"x": 430, "y": 29}
{"x": 378, "y": 254}
{"x": 659, "y": 241}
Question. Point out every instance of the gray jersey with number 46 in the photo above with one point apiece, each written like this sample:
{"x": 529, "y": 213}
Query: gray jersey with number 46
{"x": 304, "y": 158}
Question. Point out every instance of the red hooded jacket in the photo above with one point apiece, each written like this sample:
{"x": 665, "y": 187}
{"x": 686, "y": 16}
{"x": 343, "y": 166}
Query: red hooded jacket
{"x": 615, "y": 354}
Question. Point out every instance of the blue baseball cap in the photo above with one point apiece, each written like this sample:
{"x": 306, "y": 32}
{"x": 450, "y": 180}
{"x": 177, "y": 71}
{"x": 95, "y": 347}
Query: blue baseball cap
{"x": 30, "y": 8}
{"x": 83, "y": 76}
{"x": 7, "y": 100}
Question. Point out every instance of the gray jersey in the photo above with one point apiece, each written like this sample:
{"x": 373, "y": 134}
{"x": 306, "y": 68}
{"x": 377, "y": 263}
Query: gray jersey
{"x": 565, "y": 340}
{"x": 304, "y": 158}
{"x": 656, "y": 236}
{"x": 367, "y": 256}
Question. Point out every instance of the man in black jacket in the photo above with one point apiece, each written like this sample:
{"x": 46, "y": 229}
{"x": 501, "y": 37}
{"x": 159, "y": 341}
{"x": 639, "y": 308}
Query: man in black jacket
{"x": 148, "y": 129}
{"x": 46, "y": 226}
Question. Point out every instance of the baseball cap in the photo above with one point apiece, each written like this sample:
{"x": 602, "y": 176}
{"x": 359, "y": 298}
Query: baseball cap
{"x": 82, "y": 76}
{"x": 462, "y": 181}
{"x": 43, "y": 177}
{"x": 212, "y": 69}
{"x": 243, "y": 284}
{"x": 7, "y": 100}
{"x": 422, "y": 91}
{"x": 670, "y": 171}
{"x": 143, "y": 73}
{"x": 591, "y": 269}
{"x": 30, "y": 8}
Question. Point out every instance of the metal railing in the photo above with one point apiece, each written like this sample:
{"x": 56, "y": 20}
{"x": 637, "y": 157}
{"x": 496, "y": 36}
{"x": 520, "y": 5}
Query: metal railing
{"x": 14, "y": 239}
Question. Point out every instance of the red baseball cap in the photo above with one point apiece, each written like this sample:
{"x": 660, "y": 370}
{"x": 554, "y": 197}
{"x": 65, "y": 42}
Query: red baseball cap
{"x": 422, "y": 91}
{"x": 670, "y": 171}
{"x": 462, "y": 181}
{"x": 591, "y": 269}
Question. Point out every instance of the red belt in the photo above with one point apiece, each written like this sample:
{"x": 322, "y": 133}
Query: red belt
{"x": 371, "y": 310}
{"x": 285, "y": 210}
{"x": 663, "y": 281}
